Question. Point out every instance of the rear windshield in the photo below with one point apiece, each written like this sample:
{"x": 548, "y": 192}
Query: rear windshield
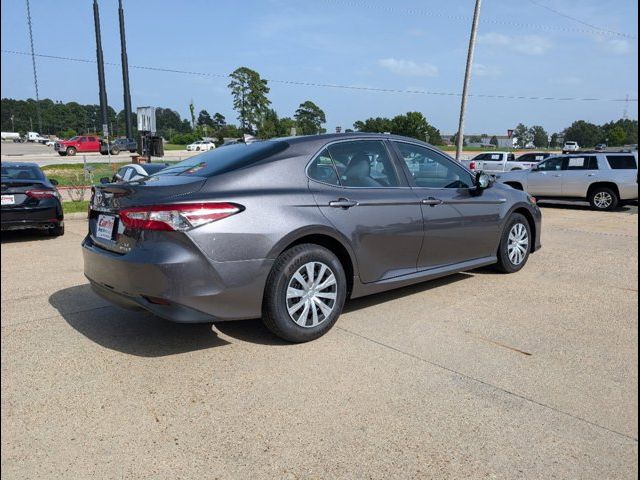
{"x": 225, "y": 159}
{"x": 25, "y": 172}
{"x": 622, "y": 162}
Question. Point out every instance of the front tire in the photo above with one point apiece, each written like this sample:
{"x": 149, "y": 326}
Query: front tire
{"x": 304, "y": 294}
{"x": 71, "y": 151}
{"x": 603, "y": 199}
{"x": 515, "y": 245}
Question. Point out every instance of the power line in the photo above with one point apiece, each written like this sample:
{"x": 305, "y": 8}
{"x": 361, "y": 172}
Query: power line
{"x": 336, "y": 86}
{"x": 604, "y": 31}
{"x": 466, "y": 18}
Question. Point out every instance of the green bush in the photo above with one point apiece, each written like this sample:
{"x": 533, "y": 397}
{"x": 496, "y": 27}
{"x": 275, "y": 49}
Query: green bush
{"x": 184, "y": 138}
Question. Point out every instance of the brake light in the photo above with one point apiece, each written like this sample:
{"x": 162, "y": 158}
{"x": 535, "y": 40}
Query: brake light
{"x": 40, "y": 194}
{"x": 176, "y": 217}
{"x": 472, "y": 165}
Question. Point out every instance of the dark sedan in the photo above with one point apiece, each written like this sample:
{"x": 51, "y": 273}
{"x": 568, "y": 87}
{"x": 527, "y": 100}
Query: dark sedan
{"x": 288, "y": 229}
{"x": 29, "y": 199}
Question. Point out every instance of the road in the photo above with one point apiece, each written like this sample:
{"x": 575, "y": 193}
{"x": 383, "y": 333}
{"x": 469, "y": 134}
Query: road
{"x": 43, "y": 155}
{"x": 479, "y": 375}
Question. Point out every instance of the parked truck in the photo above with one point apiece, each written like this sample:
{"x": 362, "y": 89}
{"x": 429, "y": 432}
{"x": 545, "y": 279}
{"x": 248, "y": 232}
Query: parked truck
{"x": 85, "y": 144}
{"x": 11, "y": 137}
{"x": 496, "y": 162}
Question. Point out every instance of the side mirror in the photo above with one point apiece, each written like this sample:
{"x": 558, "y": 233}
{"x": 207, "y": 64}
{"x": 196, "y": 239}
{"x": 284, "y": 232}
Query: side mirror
{"x": 54, "y": 182}
{"x": 483, "y": 181}
{"x": 104, "y": 180}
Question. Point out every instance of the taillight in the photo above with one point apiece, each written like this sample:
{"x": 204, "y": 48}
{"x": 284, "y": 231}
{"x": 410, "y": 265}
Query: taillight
{"x": 472, "y": 165}
{"x": 179, "y": 216}
{"x": 40, "y": 194}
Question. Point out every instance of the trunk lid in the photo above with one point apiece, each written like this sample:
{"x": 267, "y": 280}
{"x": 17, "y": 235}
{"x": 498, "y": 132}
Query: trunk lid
{"x": 105, "y": 228}
{"x": 14, "y": 192}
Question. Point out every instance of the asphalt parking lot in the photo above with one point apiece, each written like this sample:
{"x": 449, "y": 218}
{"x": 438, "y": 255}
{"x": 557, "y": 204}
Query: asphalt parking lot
{"x": 480, "y": 375}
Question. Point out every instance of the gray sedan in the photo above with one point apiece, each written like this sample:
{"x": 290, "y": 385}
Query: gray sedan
{"x": 288, "y": 229}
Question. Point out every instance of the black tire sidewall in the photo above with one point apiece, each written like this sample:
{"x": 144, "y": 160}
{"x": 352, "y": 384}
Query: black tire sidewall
{"x": 275, "y": 312}
{"x": 71, "y": 151}
{"x": 595, "y": 191}
{"x": 504, "y": 263}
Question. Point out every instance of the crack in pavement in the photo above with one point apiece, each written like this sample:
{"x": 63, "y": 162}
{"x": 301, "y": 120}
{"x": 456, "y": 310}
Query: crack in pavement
{"x": 483, "y": 382}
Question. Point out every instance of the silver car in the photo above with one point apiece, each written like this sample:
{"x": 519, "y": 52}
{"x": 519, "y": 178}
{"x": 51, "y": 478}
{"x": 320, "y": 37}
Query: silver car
{"x": 288, "y": 229}
{"x": 607, "y": 180}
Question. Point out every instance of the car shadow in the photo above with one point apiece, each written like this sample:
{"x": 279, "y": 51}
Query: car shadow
{"x": 568, "y": 205}
{"x": 146, "y": 335}
{"x": 17, "y": 236}
{"x": 134, "y": 333}
{"x": 383, "y": 297}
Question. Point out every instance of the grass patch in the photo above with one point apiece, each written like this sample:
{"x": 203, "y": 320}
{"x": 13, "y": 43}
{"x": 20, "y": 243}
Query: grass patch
{"x": 75, "y": 207}
{"x": 173, "y": 146}
{"x": 72, "y": 174}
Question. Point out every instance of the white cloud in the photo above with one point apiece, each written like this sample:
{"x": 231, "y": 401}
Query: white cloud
{"x": 614, "y": 46}
{"x": 483, "y": 70}
{"x": 524, "y": 44}
{"x": 409, "y": 67}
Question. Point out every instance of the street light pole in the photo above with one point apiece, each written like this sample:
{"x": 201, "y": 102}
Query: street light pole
{"x": 467, "y": 78}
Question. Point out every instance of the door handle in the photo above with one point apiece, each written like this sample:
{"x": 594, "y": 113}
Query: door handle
{"x": 431, "y": 201}
{"x": 591, "y": 174}
{"x": 557, "y": 175}
{"x": 343, "y": 203}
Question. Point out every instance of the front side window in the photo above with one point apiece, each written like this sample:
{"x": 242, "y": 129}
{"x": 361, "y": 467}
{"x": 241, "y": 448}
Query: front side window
{"x": 551, "y": 165}
{"x": 323, "y": 170}
{"x": 430, "y": 169}
{"x": 363, "y": 163}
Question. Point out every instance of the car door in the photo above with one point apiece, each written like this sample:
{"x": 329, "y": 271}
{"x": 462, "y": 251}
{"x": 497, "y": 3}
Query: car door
{"x": 459, "y": 224}
{"x": 359, "y": 190}
{"x": 579, "y": 173}
{"x": 546, "y": 178}
{"x": 493, "y": 163}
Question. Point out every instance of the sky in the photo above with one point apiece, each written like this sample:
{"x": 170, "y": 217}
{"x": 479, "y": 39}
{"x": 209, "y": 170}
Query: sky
{"x": 523, "y": 49}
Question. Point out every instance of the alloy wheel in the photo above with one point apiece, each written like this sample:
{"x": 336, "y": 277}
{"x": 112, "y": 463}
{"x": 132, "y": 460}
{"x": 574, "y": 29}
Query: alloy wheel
{"x": 603, "y": 200}
{"x": 311, "y": 294}
{"x": 518, "y": 244}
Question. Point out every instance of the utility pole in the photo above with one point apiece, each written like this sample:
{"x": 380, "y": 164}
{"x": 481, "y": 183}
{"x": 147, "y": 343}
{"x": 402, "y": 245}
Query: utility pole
{"x": 125, "y": 74}
{"x": 100, "y": 60}
{"x": 467, "y": 78}
{"x": 35, "y": 73}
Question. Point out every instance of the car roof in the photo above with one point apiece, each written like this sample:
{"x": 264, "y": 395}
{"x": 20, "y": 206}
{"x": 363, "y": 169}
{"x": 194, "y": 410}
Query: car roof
{"x": 20, "y": 164}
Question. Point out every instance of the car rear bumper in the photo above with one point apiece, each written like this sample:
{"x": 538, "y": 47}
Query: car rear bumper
{"x": 177, "y": 282}
{"x": 21, "y": 218}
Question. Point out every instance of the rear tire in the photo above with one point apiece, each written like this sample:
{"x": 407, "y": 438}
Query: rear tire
{"x": 603, "y": 199}
{"x": 515, "y": 244}
{"x": 298, "y": 311}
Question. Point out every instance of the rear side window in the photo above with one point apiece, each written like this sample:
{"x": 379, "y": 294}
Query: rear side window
{"x": 226, "y": 159}
{"x": 622, "y": 162}
{"x": 22, "y": 173}
{"x": 582, "y": 163}
{"x": 364, "y": 164}
{"x": 322, "y": 169}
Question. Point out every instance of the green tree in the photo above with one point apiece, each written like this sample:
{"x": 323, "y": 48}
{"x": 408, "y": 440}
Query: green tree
{"x": 374, "y": 125}
{"x": 554, "y": 142}
{"x": 310, "y": 118}
{"x": 204, "y": 119}
{"x": 413, "y": 124}
{"x": 218, "y": 121}
{"x": 192, "y": 113}
{"x": 249, "y": 97}
{"x": 616, "y": 136}
{"x": 585, "y": 133}
{"x": 539, "y": 136}
{"x": 522, "y": 135}
{"x": 269, "y": 126}
{"x": 285, "y": 125}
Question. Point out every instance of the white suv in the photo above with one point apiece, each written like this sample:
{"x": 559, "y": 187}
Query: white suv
{"x": 570, "y": 147}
